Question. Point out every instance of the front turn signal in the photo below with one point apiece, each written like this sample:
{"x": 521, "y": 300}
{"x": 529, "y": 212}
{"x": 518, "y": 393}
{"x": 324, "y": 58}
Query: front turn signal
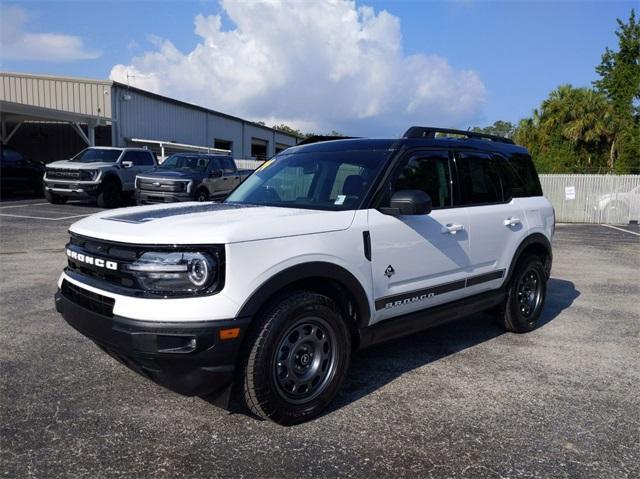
{"x": 229, "y": 333}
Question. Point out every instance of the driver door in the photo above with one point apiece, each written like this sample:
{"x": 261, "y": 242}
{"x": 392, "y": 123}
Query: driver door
{"x": 419, "y": 261}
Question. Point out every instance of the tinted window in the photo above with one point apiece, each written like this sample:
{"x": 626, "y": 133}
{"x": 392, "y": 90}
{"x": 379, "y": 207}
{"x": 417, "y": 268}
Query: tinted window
{"x": 478, "y": 178}
{"x": 520, "y": 177}
{"x": 10, "y": 156}
{"x": 429, "y": 174}
{"x": 228, "y": 165}
{"x": 143, "y": 158}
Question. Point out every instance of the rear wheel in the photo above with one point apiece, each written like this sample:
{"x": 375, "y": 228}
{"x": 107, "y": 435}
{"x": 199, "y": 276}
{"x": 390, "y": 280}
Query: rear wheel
{"x": 53, "y": 198}
{"x": 526, "y": 294}
{"x": 202, "y": 195}
{"x": 110, "y": 194}
{"x": 296, "y": 360}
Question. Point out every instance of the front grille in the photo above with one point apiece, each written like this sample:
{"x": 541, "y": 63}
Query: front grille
{"x": 161, "y": 185}
{"x": 121, "y": 255}
{"x": 97, "y": 303}
{"x": 60, "y": 174}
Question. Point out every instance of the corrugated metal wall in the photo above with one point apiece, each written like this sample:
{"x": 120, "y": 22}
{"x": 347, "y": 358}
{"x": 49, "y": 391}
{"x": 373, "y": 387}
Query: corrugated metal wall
{"x": 151, "y": 117}
{"x": 593, "y": 198}
{"x": 87, "y": 97}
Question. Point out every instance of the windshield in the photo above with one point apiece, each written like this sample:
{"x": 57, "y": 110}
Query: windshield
{"x": 316, "y": 180}
{"x": 185, "y": 162}
{"x": 95, "y": 155}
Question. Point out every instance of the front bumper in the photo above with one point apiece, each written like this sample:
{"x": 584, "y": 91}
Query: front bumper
{"x": 188, "y": 358}
{"x": 145, "y": 197}
{"x": 72, "y": 190}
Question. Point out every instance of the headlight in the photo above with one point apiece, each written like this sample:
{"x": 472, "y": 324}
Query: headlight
{"x": 89, "y": 175}
{"x": 175, "y": 272}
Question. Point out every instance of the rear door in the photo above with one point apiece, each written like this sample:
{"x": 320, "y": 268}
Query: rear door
{"x": 419, "y": 261}
{"x": 230, "y": 176}
{"x": 496, "y": 221}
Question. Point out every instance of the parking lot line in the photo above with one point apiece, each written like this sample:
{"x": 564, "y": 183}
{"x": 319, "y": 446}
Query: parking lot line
{"x": 622, "y": 229}
{"x": 22, "y": 206}
{"x": 43, "y": 218}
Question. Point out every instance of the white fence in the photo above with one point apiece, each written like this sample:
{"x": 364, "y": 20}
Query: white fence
{"x": 593, "y": 198}
{"x": 248, "y": 164}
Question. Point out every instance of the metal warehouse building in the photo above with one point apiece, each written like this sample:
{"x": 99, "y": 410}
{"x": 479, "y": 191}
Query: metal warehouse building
{"x": 51, "y": 118}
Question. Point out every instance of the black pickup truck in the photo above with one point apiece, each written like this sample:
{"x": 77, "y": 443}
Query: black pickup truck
{"x": 189, "y": 177}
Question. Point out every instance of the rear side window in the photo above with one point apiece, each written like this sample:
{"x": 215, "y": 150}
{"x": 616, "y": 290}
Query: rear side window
{"x": 228, "y": 165}
{"x": 479, "y": 179}
{"x": 429, "y": 173}
{"x": 520, "y": 177}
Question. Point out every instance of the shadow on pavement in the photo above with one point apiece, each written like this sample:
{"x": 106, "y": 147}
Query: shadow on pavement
{"x": 373, "y": 368}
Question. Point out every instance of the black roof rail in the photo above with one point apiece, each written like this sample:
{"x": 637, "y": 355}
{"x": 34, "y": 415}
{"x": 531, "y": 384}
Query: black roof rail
{"x": 430, "y": 132}
{"x": 320, "y": 138}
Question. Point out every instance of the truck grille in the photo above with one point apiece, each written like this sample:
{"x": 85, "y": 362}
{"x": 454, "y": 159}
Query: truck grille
{"x": 148, "y": 184}
{"x": 97, "y": 303}
{"x": 60, "y": 174}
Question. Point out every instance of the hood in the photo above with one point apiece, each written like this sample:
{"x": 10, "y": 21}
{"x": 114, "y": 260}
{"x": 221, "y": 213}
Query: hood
{"x": 165, "y": 174}
{"x": 76, "y": 165}
{"x": 208, "y": 223}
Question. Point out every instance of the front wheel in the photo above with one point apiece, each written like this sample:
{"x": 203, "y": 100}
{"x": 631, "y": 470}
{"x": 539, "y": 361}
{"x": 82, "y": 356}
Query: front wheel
{"x": 110, "y": 195}
{"x": 202, "y": 195}
{"x": 53, "y": 198}
{"x": 296, "y": 359}
{"x": 526, "y": 294}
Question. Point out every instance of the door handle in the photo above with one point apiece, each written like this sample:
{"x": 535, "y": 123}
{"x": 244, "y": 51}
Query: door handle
{"x": 225, "y": 178}
{"x": 452, "y": 228}
{"x": 512, "y": 221}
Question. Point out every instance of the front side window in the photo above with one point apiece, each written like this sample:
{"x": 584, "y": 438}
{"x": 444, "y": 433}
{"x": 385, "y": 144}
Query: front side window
{"x": 97, "y": 155}
{"x": 142, "y": 158}
{"x": 479, "y": 180}
{"x": 335, "y": 180}
{"x": 429, "y": 173}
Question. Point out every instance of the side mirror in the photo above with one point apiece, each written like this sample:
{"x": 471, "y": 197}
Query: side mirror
{"x": 126, "y": 164}
{"x": 408, "y": 202}
{"x": 216, "y": 174}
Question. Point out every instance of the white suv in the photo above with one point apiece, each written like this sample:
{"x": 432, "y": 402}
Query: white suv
{"x": 326, "y": 248}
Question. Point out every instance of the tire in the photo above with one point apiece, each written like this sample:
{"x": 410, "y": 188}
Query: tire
{"x": 526, "y": 295}
{"x": 202, "y": 195}
{"x": 110, "y": 194}
{"x": 296, "y": 359}
{"x": 54, "y": 199}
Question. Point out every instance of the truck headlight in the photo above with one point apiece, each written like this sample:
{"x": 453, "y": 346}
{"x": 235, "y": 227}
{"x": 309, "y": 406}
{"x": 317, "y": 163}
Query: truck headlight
{"x": 175, "y": 272}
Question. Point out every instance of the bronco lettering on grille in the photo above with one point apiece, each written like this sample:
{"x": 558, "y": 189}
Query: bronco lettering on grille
{"x": 99, "y": 262}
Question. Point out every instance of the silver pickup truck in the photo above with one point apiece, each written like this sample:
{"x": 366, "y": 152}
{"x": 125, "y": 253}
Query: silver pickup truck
{"x": 189, "y": 177}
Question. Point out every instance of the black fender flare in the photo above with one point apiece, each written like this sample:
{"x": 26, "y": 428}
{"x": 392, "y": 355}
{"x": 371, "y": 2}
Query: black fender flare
{"x": 533, "y": 239}
{"x": 314, "y": 269}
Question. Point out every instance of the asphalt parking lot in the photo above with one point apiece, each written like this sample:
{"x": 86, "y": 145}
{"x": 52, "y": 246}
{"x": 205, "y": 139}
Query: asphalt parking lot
{"x": 462, "y": 400}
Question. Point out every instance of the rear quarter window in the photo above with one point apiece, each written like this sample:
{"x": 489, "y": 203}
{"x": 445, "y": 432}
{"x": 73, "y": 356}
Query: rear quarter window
{"x": 520, "y": 178}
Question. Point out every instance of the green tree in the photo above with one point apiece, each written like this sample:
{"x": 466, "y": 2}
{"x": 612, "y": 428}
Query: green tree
{"x": 619, "y": 80}
{"x": 499, "y": 128}
{"x": 571, "y": 132}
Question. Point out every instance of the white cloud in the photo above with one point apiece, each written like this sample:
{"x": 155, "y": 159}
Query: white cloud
{"x": 16, "y": 43}
{"x": 318, "y": 65}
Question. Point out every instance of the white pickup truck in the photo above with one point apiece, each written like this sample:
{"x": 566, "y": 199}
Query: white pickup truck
{"x": 104, "y": 174}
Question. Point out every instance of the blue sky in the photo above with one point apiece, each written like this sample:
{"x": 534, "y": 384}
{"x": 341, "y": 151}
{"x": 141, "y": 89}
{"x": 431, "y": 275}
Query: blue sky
{"x": 518, "y": 51}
